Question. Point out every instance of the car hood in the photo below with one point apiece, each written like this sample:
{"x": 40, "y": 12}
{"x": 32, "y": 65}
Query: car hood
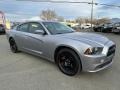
{"x": 88, "y": 38}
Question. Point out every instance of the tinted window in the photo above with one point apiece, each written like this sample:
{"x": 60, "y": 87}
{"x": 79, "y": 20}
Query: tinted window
{"x": 23, "y": 27}
{"x": 35, "y": 26}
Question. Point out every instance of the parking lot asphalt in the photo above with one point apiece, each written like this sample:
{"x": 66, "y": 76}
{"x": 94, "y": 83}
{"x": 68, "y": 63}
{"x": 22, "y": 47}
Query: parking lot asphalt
{"x": 22, "y": 71}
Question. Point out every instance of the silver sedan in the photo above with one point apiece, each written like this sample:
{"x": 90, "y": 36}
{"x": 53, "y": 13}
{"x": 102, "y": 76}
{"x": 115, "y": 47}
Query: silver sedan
{"x": 72, "y": 51}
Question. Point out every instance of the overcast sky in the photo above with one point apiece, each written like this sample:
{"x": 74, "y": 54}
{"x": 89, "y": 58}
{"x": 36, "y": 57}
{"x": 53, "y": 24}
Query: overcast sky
{"x": 15, "y": 10}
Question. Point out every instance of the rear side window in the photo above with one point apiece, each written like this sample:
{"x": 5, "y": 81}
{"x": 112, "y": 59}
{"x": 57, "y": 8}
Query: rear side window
{"x": 35, "y": 26}
{"x": 23, "y": 27}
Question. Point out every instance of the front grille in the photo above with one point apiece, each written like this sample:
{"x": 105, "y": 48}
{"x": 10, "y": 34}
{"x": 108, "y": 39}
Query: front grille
{"x": 104, "y": 64}
{"x": 111, "y": 50}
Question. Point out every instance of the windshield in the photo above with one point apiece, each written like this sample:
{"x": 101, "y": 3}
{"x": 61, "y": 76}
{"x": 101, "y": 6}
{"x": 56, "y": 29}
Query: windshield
{"x": 57, "y": 28}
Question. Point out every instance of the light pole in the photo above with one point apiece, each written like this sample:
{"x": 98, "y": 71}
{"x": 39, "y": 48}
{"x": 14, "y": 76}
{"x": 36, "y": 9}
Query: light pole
{"x": 92, "y": 3}
{"x": 92, "y": 11}
{"x": 92, "y": 15}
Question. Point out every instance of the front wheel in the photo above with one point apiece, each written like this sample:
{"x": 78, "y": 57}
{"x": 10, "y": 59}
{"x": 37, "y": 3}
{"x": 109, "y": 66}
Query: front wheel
{"x": 13, "y": 46}
{"x": 68, "y": 62}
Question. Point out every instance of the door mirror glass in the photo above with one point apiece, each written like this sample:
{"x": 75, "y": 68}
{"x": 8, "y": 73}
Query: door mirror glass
{"x": 39, "y": 32}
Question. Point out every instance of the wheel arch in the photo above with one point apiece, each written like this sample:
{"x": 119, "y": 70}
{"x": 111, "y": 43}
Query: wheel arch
{"x": 69, "y": 47}
{"x": 10, "y": 38}
{"x": 62, "y": 47}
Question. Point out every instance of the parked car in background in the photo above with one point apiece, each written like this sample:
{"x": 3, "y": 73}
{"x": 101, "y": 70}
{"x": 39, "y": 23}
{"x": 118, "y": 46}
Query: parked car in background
{"x": 98, "y": 28}
{"x": 86, "y": 26}
{"x": 107, "y": 28}
{"x": 77, "y": 27}
{"x": 116, "y": 28}
{"x": 2, "y": 28}
{"x": 2, "y": 22}
{"x": 72, "y": 51}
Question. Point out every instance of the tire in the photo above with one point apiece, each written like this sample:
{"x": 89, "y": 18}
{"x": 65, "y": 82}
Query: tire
{"x": 13, "y": 45}
{"x": 68, "y": 62}
{"x": 103, "y": 31}
{"x": 116, "y": 32}
{"x": 95, "y": 30}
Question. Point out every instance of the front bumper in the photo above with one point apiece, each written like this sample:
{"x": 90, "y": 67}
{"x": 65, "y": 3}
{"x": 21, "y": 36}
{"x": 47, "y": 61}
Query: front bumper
{"x": 95, "y": 63}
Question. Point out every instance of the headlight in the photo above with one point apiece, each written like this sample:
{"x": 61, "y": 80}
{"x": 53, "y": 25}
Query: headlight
{"x": 93, "y": 51}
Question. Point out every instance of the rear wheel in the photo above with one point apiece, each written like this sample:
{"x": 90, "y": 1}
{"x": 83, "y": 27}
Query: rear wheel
{"x": 13, "y": 45}
{"x": 68, "y": 62}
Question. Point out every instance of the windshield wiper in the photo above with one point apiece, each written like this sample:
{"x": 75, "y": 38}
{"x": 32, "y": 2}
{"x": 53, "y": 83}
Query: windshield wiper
{"x": 65, "y": 32}
{"x": 59, "y": 33}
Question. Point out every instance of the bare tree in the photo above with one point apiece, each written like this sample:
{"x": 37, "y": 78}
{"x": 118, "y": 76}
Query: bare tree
{"x": 79, "y": 20}
{"x": 60, "y": 18}
{"x": 87, "y": 20}
{"x": 103, "y": 21}
{"x": 95, "y": 21}
{"x": 48, "y": 15}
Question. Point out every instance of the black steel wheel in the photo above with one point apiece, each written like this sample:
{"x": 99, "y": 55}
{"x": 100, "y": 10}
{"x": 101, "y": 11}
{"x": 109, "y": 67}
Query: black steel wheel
{"x": 13, "y": 46}
{"x": 68, "y": 62}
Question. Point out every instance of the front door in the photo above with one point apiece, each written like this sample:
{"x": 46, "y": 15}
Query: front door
{"x": 35, "y": 42}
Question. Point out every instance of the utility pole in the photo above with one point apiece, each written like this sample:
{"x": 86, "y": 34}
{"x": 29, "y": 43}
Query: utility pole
{"x": 92, "y": 15}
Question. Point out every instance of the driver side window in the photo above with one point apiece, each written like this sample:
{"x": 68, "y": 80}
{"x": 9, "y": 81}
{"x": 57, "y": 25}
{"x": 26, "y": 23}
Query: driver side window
{"x": 35, "y": 26}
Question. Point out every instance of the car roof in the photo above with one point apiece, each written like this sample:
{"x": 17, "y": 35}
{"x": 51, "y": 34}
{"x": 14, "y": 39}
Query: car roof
{"x": 38, "y": 21}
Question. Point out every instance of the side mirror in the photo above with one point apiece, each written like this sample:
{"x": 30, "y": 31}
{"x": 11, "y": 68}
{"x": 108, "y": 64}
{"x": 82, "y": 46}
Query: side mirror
{"x": 41, "y": 32}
